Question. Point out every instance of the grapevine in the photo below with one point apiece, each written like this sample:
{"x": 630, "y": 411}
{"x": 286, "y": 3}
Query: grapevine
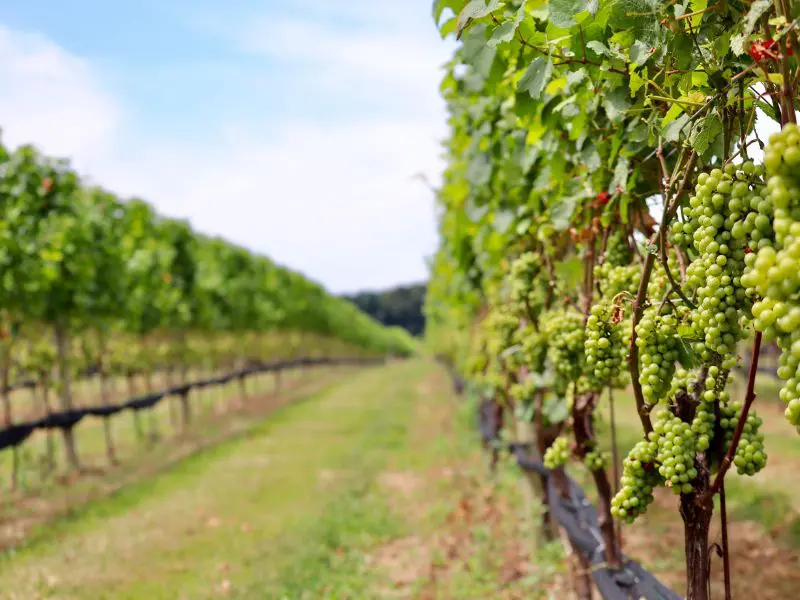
{"x": 608, "y": 152}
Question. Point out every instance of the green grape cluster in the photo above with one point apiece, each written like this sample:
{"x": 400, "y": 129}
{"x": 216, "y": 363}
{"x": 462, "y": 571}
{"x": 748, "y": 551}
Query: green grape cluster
{"x": 681, "y": 383}
{"x": 722, "y": 217}
{"x": 618, "y": 252}
{"x": 500, "y": 326}
{"x": 615, "y": 280}
{"x": 565, "y": 346}
{"x": 527, "y": 286}
{"x": 773, "y": 276}
{"x": 640, "y": 478}
{"x": 557, "y": 455}
{"x": 750, "y": 456}
{"x": 606, "y": 347}
{"x": 659, "y": 281}
{"x": 702, "y": 426}
{"x": 595, "y": 460}
{"x": 676, "y": 452}
{"x": 657, "y": 340}
{"x": 533, "y": 348}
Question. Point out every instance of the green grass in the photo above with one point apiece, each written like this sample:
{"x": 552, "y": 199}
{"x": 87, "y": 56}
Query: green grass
{"x": 171, "y": 535}
{"x": 372, "y": 488}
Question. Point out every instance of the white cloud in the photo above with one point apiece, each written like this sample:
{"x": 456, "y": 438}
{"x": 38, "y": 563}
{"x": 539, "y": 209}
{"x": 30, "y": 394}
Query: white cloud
{"x": 335, "y": 198}
{"x": 52, "y": 98}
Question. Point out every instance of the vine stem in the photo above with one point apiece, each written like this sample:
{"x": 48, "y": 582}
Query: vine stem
{"x": 750, "y": 396}
{"x": 726, "y": 558}
{"x": 615, "y": 458}
{"x": 641, "y": 294}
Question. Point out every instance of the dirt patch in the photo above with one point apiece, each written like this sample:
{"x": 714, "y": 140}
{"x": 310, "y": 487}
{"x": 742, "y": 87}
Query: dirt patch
{"x": 760, "y": 567}
{"x": 402, "y": 562}
{"x": 479, "y": 547}
{"x": 403, "y": 483}
{"x": 327, "y": 478}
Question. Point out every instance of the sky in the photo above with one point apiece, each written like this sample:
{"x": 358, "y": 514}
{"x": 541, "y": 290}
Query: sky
{"x": 296, "y": 129}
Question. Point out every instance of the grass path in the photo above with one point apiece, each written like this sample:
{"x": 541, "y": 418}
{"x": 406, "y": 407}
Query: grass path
{"x": 371, "y": 489}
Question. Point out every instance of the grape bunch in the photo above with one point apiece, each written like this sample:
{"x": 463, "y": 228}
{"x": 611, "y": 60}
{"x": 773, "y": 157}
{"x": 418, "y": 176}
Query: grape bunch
{"x": 500, "y": 326}
{"x": 615, "y": 280}
{"x": 528, "y": 288}
{"x": 702, "y": 426}
{"x": 565, "y": 346}
{"x": 773, "y": 274}
{"x": 640, "y": 477}
{"x": 557, "y": 455}
{"x": 657, "y": 340}
{"x": 722, "y": 217}
{"x": 595, "y": 460}
{"x": 606, "y": 347}
{"x": 676, "y": 452}
{"x": 659, "y": 281}
{"x": 750, "y": 457}
{"x": 681, "y": 383}
{"x": 618, "y": 252}
{"x": 533, "y": 348}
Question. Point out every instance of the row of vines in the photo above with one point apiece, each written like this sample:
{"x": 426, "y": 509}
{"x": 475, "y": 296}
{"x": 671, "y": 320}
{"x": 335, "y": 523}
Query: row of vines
{"x": 94, "y": 285}
{"x": 621, "y": 209}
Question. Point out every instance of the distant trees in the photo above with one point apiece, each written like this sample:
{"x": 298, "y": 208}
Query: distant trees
{"x": 400, "y": 306}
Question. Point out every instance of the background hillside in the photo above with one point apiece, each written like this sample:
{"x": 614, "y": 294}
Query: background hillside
{"x": 399, "y": 306}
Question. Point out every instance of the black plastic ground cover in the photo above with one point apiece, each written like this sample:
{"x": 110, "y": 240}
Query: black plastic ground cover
{"x": 16, "y": 434}
{"x": 578, "y": 518}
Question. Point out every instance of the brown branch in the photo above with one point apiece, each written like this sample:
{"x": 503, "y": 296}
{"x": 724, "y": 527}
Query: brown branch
{"x": 633, "y": 358}
{"x": 726, "y": 557}
{"x": 641, "y": 294}
{"x": 614, "y": 457}
{"x": 750, "y": 396}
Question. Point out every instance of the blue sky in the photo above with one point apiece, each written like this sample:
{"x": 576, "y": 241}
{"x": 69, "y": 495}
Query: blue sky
{"x": 294, "y": 128}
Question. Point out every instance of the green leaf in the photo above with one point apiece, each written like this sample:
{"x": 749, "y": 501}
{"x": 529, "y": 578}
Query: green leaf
{"x": 479, "y": 170}
{"x": 503, "y": 33}
{"x": 440, "y": 5}
{"x": 562, "y": 12}
{"x": 705, "y": 133}
{"x": 640, "y": 53}
{"x": 524, "y": 225}
{"x": 561, "y": 213}
{"x": 673, "y": 130}
{"x": 597, "y": 47}
{"x": 503, "y": 220}
{"x": 475, "y": 10}
{"x": 570, "y": 271}
{"x": 686, "y": 356}
{"x": 536, "y": 77}
{"x": 620, "y": 178}
{"x": 737, "y": 44}
{"x": 590, "y": 157}
{"x": 448, "y": 27}
{"x": 757, "y": 10}
{"x": 555, "y": 409}
{"x": 635, "y": 83}
{"x": 616, "y": 103}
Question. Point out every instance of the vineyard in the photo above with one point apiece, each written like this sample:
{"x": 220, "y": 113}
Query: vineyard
{"x": 112, "y": 313}
{"x": 620, "y": 211}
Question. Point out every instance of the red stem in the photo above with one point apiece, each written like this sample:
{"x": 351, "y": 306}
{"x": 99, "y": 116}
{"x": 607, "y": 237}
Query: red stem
{"x": 750, "y": 396}
{"x": 726, "y": 559}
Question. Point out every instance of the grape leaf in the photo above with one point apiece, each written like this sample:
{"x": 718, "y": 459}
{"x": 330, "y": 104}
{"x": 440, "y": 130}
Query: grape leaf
{"x": 673, "y": 130}
{"x": 536, "y": 77}
{"x": 475, "y": 10}
{"x": 705, "y": 133}
{"x": 640, "y": 53}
